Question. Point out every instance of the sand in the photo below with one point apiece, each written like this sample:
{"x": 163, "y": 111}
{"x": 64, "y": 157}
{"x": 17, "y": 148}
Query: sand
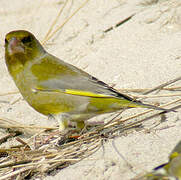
{"x": 144, "y": 52}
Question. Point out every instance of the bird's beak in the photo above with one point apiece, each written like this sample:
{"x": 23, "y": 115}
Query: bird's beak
{"x": 15, "y": 46}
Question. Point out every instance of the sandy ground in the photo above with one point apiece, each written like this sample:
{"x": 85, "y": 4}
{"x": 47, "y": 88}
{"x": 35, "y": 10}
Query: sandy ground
{"x": 142, "y": 53}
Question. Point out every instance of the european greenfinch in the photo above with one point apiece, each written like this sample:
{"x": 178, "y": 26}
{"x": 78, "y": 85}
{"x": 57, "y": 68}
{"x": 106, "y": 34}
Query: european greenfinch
{"x": 55, "y": 88}
{"x": 170, "y": 170}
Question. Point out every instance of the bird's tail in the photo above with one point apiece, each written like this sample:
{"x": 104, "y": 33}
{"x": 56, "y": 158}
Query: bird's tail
{"x": 143, "y": 105}
{"x": 130, "y": 102}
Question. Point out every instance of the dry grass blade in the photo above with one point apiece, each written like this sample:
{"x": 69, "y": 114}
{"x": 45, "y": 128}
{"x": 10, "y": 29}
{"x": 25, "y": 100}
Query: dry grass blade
{"x": 59, "y": 27}
{"x": 143, "y": 90}
{"x": 9, "y": 93}
{"x": 162, "y": 85}
{"x": 119, "y": 23}
{"x": 12, "y": 174}
{"x": 6, "y": 137}
{"x": 156, "y": 96}
{"x": 54, "y": 22}
{"x": 15, "y": 126}
{"x": 13, "y": 163}
{"x": 30, "y": 127}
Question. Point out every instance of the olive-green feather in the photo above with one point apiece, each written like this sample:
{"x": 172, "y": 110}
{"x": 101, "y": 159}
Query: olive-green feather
{"x": 52, "y": 86}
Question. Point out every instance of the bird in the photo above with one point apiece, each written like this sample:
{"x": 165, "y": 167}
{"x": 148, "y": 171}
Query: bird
{"x": 169, "y": 170}
{"x": 57, "y": 89}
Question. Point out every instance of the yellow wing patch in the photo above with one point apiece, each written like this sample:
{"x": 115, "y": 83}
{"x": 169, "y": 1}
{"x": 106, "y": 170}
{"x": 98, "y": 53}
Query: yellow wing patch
{"x": 84, "y": 93}
{"x": 73, "y": 92}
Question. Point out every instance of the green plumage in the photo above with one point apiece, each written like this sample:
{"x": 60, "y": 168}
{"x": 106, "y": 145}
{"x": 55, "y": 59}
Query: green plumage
{"x": 170, "y": 170}
{"x": 54, "y": 87}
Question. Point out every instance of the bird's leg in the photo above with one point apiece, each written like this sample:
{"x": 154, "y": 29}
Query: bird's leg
{"x": 80, "y": 125}
{"x": 63, "y": 120}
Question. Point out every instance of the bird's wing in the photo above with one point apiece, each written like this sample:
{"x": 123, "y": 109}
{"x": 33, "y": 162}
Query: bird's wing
{"x": 56, "y": 75}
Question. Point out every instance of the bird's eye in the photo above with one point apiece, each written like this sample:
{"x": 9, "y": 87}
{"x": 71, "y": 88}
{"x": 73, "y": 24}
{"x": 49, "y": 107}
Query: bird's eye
{"x": 6, "y": 41}
{"x": 26, "y": 39}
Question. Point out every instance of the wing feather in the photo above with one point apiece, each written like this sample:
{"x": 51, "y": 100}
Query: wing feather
{"x": 60, "y": 76}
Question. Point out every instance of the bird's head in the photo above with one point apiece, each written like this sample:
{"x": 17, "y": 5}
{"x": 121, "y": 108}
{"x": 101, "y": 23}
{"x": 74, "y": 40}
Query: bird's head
{"x": 21, "y": 47}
